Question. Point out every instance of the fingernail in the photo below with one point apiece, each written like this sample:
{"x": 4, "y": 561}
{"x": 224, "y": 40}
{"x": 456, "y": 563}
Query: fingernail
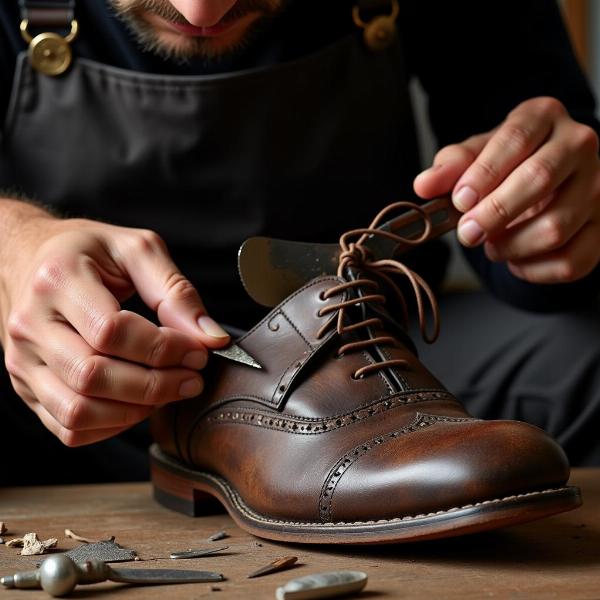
{"x": 465, "y": 199}
{"x": 470, "y": 234}
{"x": 195, "y": 360}
{"x": 190, "y": 388}
{"x": 211, "y": 327}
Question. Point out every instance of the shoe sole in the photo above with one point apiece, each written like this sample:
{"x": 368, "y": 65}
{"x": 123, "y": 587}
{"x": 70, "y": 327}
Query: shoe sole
{"x": 191, "y": 492}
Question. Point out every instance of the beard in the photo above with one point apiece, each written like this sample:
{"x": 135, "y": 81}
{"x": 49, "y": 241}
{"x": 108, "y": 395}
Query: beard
{"x": 183, "y": 48}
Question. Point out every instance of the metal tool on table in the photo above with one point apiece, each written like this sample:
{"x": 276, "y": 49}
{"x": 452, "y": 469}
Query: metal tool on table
{"x": 272, "y": 269}
{"x": 198, "y": 553}
{"x": 58, "y": 575}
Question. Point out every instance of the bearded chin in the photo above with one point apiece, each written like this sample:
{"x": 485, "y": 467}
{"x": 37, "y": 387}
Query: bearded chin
{"x": 180, "y": 48}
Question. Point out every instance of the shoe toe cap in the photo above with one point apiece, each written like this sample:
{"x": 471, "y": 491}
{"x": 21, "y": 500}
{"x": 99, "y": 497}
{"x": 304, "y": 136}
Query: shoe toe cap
{"x": 444, "y": 465}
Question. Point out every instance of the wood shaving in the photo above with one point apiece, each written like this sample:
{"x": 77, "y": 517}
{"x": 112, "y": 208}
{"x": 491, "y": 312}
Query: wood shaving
{"x": 79, "y": 538}
{"x": 279, "y": 564}
{"x": 31, "y": 544}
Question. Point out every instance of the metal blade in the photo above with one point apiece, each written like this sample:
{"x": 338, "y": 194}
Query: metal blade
{"x": 196, "y": 553}
{"x": 237, "y": 354}
{"x": 272, "y": 269}
{"x": 163, "y": 576}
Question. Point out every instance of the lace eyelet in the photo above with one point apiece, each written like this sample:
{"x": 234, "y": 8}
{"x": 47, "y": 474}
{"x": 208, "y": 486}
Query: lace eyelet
{"x": 338, "y": 356}
{"x": 357, "y": 378}
{"x": 322, "y": 296}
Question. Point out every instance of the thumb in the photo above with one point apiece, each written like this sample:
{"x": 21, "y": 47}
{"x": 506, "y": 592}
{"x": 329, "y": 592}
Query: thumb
{"x": 448, "y": 166}
{"x": 167, "y": 291}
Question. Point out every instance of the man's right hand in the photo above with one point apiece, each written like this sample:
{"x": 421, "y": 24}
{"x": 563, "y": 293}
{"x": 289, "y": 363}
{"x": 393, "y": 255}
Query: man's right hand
{"x": 87, "y": 368}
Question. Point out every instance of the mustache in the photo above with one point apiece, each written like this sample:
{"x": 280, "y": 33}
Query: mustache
{"x": 165, "y": 10}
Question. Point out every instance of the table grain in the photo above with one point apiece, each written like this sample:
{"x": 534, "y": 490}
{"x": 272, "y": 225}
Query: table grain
{"x": 558, "y": 557}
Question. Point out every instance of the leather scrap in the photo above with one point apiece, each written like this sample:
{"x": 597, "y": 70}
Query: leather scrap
{"x": 106, "y": 551}
{"x": 31, "y": 544}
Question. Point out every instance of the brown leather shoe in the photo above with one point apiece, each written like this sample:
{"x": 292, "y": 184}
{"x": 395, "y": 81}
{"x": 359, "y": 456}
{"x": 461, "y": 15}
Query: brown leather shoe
{"x": 344, "y": 436}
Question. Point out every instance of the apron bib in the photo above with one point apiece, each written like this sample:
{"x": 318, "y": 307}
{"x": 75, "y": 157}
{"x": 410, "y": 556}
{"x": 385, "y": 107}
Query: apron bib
{"x": 301, "y": 150}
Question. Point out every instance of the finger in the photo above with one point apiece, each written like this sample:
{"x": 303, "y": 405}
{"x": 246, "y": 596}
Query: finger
{"x": 448, "y": 165}
{"x": 518, "y": 137}
{"x": 571, "y": 262}
{"x": 530, "y": 182}
{"x": 130, "y": 336}
{"x": 164, "y": 288}
{"x": 548, "y": 230}
{"x": 73, "y": 438}
{"x": 91, "y": 374}
{"x": 94, "y": 312}
{"x": 76, "y": 412}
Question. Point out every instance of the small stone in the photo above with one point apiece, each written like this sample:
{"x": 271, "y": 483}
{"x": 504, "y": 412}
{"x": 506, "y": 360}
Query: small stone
{"x": 1, "y": 540}
{"x": 3, "y": 529}
{"x": 220, "y": 535}
{"x": 323, "y": 585}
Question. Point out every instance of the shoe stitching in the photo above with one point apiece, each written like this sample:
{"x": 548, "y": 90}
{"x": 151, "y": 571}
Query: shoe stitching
{"x": 246, "y": 511}
{"x": 293, "y": 326}
{"x": 311, "y": 426}
{"x": 332, "y": 524}
{"x": 337, "y": 472}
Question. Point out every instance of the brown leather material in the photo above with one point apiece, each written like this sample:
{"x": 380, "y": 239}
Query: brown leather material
{"x": 281, "y": 452}
{"x": 304, "y": 440}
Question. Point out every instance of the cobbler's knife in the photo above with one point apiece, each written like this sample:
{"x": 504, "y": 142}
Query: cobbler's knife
{"x": 272, "y": 269}
{"x": 237, "y": 354}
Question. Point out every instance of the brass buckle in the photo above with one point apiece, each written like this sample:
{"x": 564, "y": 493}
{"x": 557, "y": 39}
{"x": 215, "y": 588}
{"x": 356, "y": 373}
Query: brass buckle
{"x": 49, "y": 53}
{"x": 380, "y": 31}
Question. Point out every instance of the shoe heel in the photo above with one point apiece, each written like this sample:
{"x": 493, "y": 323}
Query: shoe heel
{"x": 180, "y": 494}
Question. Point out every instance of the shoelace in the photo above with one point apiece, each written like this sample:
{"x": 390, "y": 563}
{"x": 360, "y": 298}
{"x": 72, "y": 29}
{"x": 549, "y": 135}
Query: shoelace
{"x": 357, "y": 256}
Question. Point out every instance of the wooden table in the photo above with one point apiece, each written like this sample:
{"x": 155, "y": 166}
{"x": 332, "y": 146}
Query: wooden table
{"x": 557, "y": 557}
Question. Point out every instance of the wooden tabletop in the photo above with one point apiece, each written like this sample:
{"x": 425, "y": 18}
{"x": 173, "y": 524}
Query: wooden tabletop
{"x": 557, "y": 557}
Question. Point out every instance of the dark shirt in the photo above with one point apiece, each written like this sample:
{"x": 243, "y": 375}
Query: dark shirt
{"x": 475, "y": 60}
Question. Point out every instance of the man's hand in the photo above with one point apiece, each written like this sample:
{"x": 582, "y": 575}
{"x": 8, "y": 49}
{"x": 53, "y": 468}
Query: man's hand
{"x": 530, "y": 190}
{"x": 88, "y": 369}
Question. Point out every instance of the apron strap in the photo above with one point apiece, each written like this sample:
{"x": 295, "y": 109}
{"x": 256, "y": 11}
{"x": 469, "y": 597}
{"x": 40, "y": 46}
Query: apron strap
{"x": 48, "y": 13}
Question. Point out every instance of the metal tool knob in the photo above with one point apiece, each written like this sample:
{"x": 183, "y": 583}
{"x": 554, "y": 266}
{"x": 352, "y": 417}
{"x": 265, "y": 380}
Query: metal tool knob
{"x": 58, "y": 575}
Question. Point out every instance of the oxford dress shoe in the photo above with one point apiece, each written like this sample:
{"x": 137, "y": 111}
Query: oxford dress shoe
{"x": 343, "y": 436}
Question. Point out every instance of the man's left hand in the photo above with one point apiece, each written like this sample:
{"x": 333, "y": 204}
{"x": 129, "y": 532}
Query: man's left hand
{"x": 530, "y": 191}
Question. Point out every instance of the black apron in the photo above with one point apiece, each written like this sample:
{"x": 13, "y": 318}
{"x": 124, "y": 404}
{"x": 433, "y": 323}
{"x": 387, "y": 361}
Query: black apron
{"x": 301, "y": 150}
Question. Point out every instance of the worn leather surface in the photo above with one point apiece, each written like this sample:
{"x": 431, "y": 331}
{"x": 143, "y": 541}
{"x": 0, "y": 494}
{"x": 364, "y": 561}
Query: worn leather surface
{"x": 303, "y": 439}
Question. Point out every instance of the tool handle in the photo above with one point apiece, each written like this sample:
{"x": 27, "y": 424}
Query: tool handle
{"x": 25, "y": 580}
